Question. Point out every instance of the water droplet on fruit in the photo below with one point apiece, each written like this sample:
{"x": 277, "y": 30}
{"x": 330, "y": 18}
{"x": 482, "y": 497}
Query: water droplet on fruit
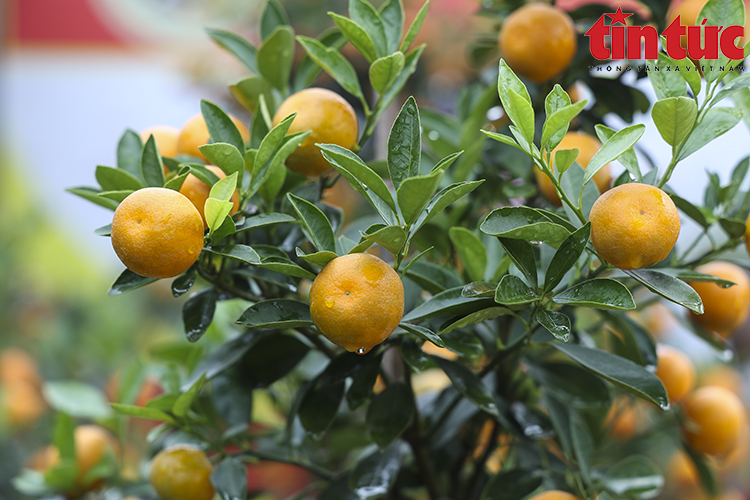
{"x": 362, "y": 350}
{"x": 329, "y": 302}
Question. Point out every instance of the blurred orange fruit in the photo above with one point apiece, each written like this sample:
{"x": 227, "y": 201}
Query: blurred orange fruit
{"x": 194, "y": 133}
{"x": 725, "y": 309}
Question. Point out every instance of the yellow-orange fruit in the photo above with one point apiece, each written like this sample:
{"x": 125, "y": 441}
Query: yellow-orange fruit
{"x": 714, "y": 420}
{"x": 724, "y": 309}
{"x": 165, "y": 137}
{"x": 554, "y": 495}
{"x": 194, "y": 133}
{"x": 198, "y": 191}
{"x": 16, "y": 365}
{"x": 676, "y": 371}
{"x": 182, "y": 473}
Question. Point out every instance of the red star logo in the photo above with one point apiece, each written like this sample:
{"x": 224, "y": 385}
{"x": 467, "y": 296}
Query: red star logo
{"x": 619, "y": 16}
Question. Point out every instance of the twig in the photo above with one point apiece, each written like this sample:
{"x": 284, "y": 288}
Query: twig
{"x": 315, "y": 469}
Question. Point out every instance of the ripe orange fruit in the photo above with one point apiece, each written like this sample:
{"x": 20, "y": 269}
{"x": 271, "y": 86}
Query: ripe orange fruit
{"x": 16, "y": 365}
{"x": 682, "y": 471}
{"x": 197, "y": 192}
{"x": 676, "y": 371}
{"x": 93, "y": 443}
{"x": 725, "y": 309}
{"x": 714, "y": 419}
{"x": 624, "y": 419}
{"x": 538, "y": 41}
{"x": 182, "y": 473}
{"x": 356, "y": 301}
{"x": 157, "y": 232}
{"x": 554, "y": 495}
{"x": 22, "y": 403}
{"x": 194, "y": 133}
{"x": 724, "y": 376}
{"x": 330, "y": 119}
{"x": 588, "y": 145}
{"x": 165, "y": 137}
{"x": 634, "y": 225}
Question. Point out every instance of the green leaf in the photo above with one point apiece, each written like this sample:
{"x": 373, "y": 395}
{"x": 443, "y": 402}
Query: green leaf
{"x": 424, "y": 333}
{"x": 513, "y": 291}
{"x": 447, "y": 303}
{"x": 315, "y": 223}
{"x": 507, "y": 81}
{"x": 443, "y": 199}
{"x": 706, "y": 470}
{"x": 320, "y": 404}
{"x": 721, "y": 13}
{"x": 362, "y": 179}
{"x": 627, "y": 159}
{"x": 389, "y": 414}
{"x": 198, "y": 312}
{"x": 357, "y": 35}
{"x": 307, "y": 70}
{"x": 334, "y": 64}
{"x": 582, "y": 441}
{"x": 521, "y": 113}
{"x": 286, "y": 266}
{"x": 480, "y": 316}
{"x": 414, "y": 193}
{"x": 185, "y": 400}
{"x": 265, "y": 220}
{"x": 634, "y": 476}
{"x": 432, "y": 277}
{"x": 613, "y": 148}
{"x": 735, "y": 228}
{"x": 512, "y": 484}
{"x": 572, "y": 184}
{"x": 225, "y": 156}
{"x": 521, "y": 254}
{"x": 415, "y": 26}
{"x": 216, "y": 211}
{"x": 385, "y": 70}
{"x": 142, "y": 412}
{"x": 522, "y": 223}
{"x": 230, "y": 475}
{"x": 503, "y": 139}
{"x": 76, "y": 399}
{"x": 716, "y": 122}
{"x": 597, "y": 293}
{"x": 468, "y": 384}
{"x": 572, "y": 385}
{"x": 129, "y": 153}
{"x": 276, "y": 55}
{"x": 404, "y": 144}
{"x": 471, "y": 250}
{"x": 152, "y": 170}
{"x": 558, "y": 324}
{"x": 392, "y": 13}
{"x": 104, "y": 230}
{"x": 248, "y": 91}
{"x": 741, "y": 82}
{"x": 182, "y": 284}
{"x": 221, "y": 127}
{"x": 269, "y": 146}
{"x": 288, "y": 145}
{"x": 375, "y": 474}
{"x": 276, "y": 313}
{"x": 319, "y": 259}
{"x": 241, "y": 49}
{"x": 118, "y": 196}
{"x": 392, "y": 238}
{"x": 272, "y": 17}
{"x": 129, "y": 281}
{"x": 623, "y": 373}
{"x": 175, "y": 183}
{"x": 116, "y": 179}
{"x": 556, "y": 124}
{"x": 364, "y": 380}
{"x": 698, "y": 214}
{"x": 669, "y": 287}
{"x": 446, "y": 162}
{"x": 241, "y": 253}
{"x": 224, "y": 188}
{"x": 669, "y": 83}
{"x": 566, "y": 256}
{"x": 674, "y": 118}
{"x": 364, "y": 14}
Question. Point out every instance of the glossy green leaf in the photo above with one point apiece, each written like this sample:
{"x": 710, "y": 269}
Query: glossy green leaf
{"x": 117, "y": 179}
{"x": 613, "y": 148}
{"x": 307, "y": 70}
{"x": 319, "y": 259}
{"x": 152, "y": 171}
{"x": 334, "y": 64}
{"x": 623, "y": 373}
{"x": 566, "y": 256}
{"x": 392, "y": 13}
{"x": 424, "y": 333}
{"x": 104, "y": 230}
{"x": 272, "y": 17}
{"x": 480, "y": 316}
{"x": 716, "y": 122}
{"x": 389, "y": 414}
{"x": 129, "y": 281}
{"x": 357, "y": 35}
{"x": 507, "y": 81}
{"x": 315, "y": 223}
{"x": 572, "y": 385}
{"x": 669, "y": 83}
{"x": 286, "y": 266}
{"x": 471, "y": 250}
{"x": 597, "y": 293}
{"x": 241, "y": 49}
{"x": 224, "y": 188}
{"x": 248, "y": 91}
{"x": 721, "y": 13}
{"x": 229, "y": 476}
{"x": 225, "y": 156}
{"x": 270, "y": 358}
{"x": 216, "y": 211}
{"x": 129, "y": 150}
{"x": 432, "y": 277}
{"x": 182, "y": 284}
{"x": 696, "y": 213}
{"x": 513, "y": 291}
{"x": 502, "y": 138}
{"x": 185, "y": 401}
{"x": 557, "y": 323}
{"x": 521, "y": 254}
{"x": 668, "y": 287}
{"x": 447, "y": 303}
{"x": 385, "y": 70}
{"x": 221, "y": 127}
{"x": 238, "y": 252}
{"x": 521, "y": 113}
{"x": 582, "y": 441}
{"x": 674, "y": 118}
{"x": 522, "y": 223}
{"x": 141, "y": 412}
{"x": 557, "y": 123}
{"x": 415, "y": 26}
{"x": 415, "y": 192}
{"x": 392, "y": 238}
{"x": 628, "y": 159}
{"x": 118, "y": 196}
{"x": 443, "y": 199}
{"x": 198, "y": 312}
{"x": 276, "y": 313}
{"x": 265, "y": 220}
{"x": 364, "y": 14}
{"x": 735, "y": 228}
{"x": 634, "y": 476}
{"x": 512, "y": 484}
{"x": 404, "y": 144}
{"x": 468, "y": 384}
{"x": 92, "y": 195}
{"x": 276, "y": 55}
{"x": 374, "y": 475}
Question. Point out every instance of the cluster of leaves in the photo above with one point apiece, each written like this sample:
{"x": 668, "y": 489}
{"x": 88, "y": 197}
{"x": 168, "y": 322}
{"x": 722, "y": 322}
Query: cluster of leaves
{"x": 527, "y": 314}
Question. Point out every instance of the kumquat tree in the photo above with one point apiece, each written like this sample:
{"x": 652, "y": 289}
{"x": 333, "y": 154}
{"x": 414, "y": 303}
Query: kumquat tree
{"x": 491, "y": 321}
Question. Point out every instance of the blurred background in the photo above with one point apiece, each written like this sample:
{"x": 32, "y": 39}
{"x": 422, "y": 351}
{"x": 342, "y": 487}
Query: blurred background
{"x": 74, "y": 74}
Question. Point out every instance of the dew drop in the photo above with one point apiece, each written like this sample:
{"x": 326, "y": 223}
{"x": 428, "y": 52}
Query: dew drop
{"x": 434, "y": 135}
{"x": 329, "y": 302}
{"x": 535, "y": 242}
{"x": 361, "y": 350}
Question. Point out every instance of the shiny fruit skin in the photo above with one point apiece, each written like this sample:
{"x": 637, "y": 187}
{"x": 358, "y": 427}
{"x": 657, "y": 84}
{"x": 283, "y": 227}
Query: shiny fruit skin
{"x": 182, "y": 473}
{"x": 165, "y": 137}
{"x": 724, "y": 309}
{"x": 194, "y": 133}
{"x": 634, "y": 225}
{"x": 157, "y": 232}
{"x": 357, "y": 301}
{"x": 330, "y": 119}
{"x": 714, "y": 419}
{"x": 198, "y": 192}
{"x": 676, "y": 372}
{"x": 538, "y": 41}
